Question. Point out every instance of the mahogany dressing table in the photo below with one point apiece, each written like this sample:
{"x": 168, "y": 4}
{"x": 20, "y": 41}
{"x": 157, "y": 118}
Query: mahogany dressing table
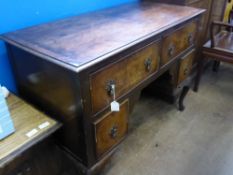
{"x": 68, "y": 67}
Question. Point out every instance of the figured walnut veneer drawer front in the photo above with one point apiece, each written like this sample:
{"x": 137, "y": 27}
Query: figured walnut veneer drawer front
{"x": 124, "y": 74}
{"x": 111, "y": 129}
{"x": 185, "y": 66}
{"x": 176, "y": 42}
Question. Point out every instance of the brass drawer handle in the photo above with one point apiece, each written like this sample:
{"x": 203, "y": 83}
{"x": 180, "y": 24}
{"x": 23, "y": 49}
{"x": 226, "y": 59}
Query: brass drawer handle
{"x": 114, "y": 132}
{"x": 186, "y": 71}
{"x": 171, "y": 50}
{"x": 109, "y": 88}
{"x": 190, "y": 38}
{"x": 148, "y": 63}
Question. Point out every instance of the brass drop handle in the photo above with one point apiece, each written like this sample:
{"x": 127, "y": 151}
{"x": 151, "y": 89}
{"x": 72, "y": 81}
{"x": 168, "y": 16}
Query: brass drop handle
{"x": 148, "y": 63}
{"x": 114, "y": 132}
{"x": 186, "y": 71}
{"x": 190, "y": 38}
{"x": 171, "y": 50}
{"x": 110, "y": 87}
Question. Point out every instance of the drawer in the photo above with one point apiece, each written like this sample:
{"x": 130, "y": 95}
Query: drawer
{"x": 111, "y": 129}
{"x": 125, "y": 74}
{"x": 185, "y": 66}
{"x": 178, "y": 41}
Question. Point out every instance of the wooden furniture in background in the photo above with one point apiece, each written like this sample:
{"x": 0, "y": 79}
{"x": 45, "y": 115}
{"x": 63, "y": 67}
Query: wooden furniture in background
{"x": 219, "y": 48}
{"x": 68, "y": 67}
{"x": 203, "y": 4}
{"x": 217, "y": 14}
{"x": 37, "y": 154}
{"x": 170, "y": 86}
{"x": 25, "y": 118}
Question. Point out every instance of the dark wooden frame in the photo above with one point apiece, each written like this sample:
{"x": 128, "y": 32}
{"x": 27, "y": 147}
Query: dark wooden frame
{"x": 78, "y": 137}
{"x": 211, "y": 51}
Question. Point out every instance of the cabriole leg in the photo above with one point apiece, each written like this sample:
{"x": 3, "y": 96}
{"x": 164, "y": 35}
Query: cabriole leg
{"x": 182, "y": 96}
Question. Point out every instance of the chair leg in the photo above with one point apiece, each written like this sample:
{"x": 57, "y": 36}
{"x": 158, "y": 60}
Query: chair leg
{"x": 200, "y": 68}
{"x": 216, "y": 66}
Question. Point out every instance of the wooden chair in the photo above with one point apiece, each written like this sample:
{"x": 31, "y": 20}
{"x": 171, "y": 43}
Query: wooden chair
{"x": 218, "y": 48}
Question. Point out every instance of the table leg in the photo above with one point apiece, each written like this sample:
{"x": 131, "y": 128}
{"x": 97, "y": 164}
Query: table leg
{"x": 182, "y": 96}
{"x": 216, "y": 66}
{"x": 199, "y": 73}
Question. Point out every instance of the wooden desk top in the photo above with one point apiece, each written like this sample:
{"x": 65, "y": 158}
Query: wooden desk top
{"x": 81, "y": 41}
{"x": 25, "y": 118}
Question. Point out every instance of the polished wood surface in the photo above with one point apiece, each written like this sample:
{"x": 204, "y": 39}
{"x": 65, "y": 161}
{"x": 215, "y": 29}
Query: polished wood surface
{"x": 125, "y": 74}
{"x": 25, "y": 118}
{"x": 203, "y": 26}
{"x": 224, "y": 41}
{"x": 169, "y": 87}
{"x": 111, "y": 129}
{"x": 121, "y": 45}
{"x": 220, "y": 44}
{"x": 219, "y": 48}
{"x": 176, "y": 42}
{"x": 83, "y": 40}
{"x": 217, "y": 13}
{"x": 185, "y": 67}
{"x": 214, "y": 11}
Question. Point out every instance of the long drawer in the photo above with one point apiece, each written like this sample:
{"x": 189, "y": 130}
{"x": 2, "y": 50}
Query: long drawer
{"x": 124, "y": 74}
{"x": 178, "y": 41}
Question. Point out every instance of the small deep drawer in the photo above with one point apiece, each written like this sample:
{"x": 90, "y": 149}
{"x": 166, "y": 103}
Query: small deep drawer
{"x": 125, "y": 75}
{"x": 111, "y": 129}
{"x": 178, "y": 41}
{"x": 185, "y": 66}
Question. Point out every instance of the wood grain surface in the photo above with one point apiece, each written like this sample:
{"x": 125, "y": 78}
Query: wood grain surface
{"x": 178, "y": 41}
{"x": 111, "y": 129}
{"x": 126, "y": 74}
{"x": 185, "y": 67}
{"x": 25, "y": 118}
{"x": 81, "y": 41}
